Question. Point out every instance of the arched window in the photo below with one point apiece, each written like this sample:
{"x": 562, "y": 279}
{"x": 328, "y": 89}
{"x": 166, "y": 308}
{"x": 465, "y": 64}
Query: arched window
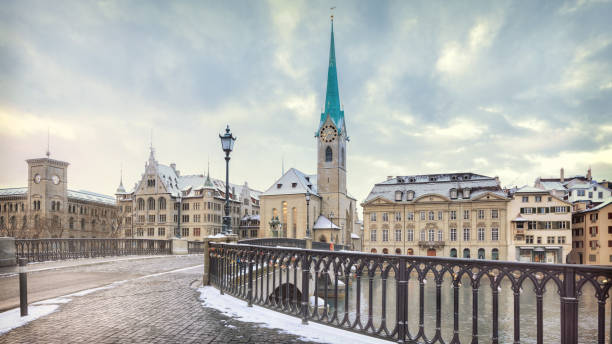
{"x": 322, "y": 238}
{"x": 373, "y": 250}
{"x": 385, "y": 250}
{"x": 71, "y": 223}
{"x": 410, "y": 252}
{"x": 481, "y": 253}
{"x": 162, "y": 204}
{"x": 328, "y": 154}
{"x": 151, "y": 204}
{"x": 141, "y": 204}
{"x": 495, "y": 254}
{"x": 453, "y": 252}
{"x": 342, "y": 157}
{"x": 398, "y": 251}
{"x": 466, "y": 253}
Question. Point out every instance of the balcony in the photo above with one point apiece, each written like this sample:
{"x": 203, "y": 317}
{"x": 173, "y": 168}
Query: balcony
{"x": 431, "y": 244}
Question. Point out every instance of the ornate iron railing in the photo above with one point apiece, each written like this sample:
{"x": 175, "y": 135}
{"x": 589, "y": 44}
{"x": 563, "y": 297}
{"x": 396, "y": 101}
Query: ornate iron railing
{"x": 384, "y": 295}
{"x": 290, "y": 242}
{"x": 195, "y": 247}
{"x": 39, "y": 250}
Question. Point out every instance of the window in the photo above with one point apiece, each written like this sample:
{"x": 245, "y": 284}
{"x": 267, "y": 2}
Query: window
{"x": 185, "y": 206}
{"x": 151, "y": 232}
{"x": 600, "y": 194}
{"x": 539, "y": 240}
{"x": 185, "y": 218}
{"x": 398, "y": 216}
{"x": 151, "y": 218}
{"x": 373, "y": 235}
{"x": 550, "y": 240}
{"x": 141, "y": 204}
{"x": 538, "y": 198}
{"x": 161, "y": 232}
{"x": 440, "y": 237}
{"x": 328, "y": 154}
{"x": 466, "y": 234}
{"x": 196, "y": 232}
{"x": 580, "y": 192}
{"x": 196, "y": 218}
{"x": 494, "y": 234}
{"x": 141, "y": 218}
{"x": 410, "y": 216}
{"x": 591, "y": 256}
{"x": 453, "y": 214}
{"x": 525, "y": 199}
{"x": 422, "y": 235}
{"x": 466, "y": 253}
{"x": 162, "y": 218}
{"x": 453, "y": 253}
{"x": 481, "y": 253}
{"x": 410, "y": 195}
{"x": 440, "y": 215}
{"x": 385, "y": 217}
{"x": 431, "y": 216}
{"x": 481, "y": 214}
{"x": 385, "y": 235}
{"x": 422, "y": 215}
{"x": 398, "y": 195}
{"x": 481, "y": 234}
{"x": 185, "y": 232}
{"x": 494, "y": 213}
{"x": 398, "y": 235}
{"x": 410, "y": 235}
{"x": 466, "y": 214}
{"x": 495, "y": 254}
{"x": 590, "y": 194}
{"x": 162, "y": 204}
{"x": 431, "y": 235}
{"x": 466, "y": 193}
{"x": 453, "y": 234}
{"x": 373, "y": 217}
{"x": 529, "y": 239}
{"x": 151, "y": 204}
{"x": 453, "y": 193}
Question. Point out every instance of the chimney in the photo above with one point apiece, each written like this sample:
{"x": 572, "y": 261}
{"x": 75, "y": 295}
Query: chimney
{"x": 497, "y": 180}
{"x": 561, "y": 176}
{"x": 389, "y": 177}
{"x": 589, "y": 176}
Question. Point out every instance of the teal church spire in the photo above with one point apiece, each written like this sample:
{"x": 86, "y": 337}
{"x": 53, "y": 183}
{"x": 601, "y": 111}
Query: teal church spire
{"x": 332, "y": 96}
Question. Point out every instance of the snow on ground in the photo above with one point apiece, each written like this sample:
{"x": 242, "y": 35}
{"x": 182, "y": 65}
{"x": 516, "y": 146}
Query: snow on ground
{"x": 12, "y": 319}
{"x": 238, "y": 309}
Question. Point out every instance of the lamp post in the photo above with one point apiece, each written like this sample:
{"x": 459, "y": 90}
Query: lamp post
{"x": 180, "y": 205}
{"x": 331, "y": 224}
{"x": 227, "y": 144}
{"x": 308, "y": 213}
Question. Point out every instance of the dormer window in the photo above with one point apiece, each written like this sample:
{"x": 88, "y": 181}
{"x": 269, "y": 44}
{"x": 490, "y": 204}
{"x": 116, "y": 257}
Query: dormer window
{"x": 454, "y": 178}
{"x": 278, "y": 186}
{"x": 466, "y": 177}
{"x": 453, "y": 192}
{"x": 432, "y": 179}
{"x": 466, "y": 193}
{"x": 308, "y": 179}
{"x": 410, "y": 195}
{"x": 400, "y": 180}
{"x": 293, "y": 185}
{"x": 398, "y": 196}
{"x": 412, "y": 180}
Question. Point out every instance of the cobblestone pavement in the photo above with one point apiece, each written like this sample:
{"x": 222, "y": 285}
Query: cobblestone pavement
{"x": 159, "y": 309}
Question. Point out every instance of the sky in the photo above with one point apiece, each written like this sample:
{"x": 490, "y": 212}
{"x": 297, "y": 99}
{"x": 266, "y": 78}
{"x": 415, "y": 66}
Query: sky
{"x": 515, "y": 89}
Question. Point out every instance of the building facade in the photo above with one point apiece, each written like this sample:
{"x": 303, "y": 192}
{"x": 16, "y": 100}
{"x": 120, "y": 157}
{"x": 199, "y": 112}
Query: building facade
{"x": 539, "y": 227}
{"x": 46, "y": 208}
{"x": 284, "y": 209}
{"x": 166, "y": 204}
{"x": 449, "y": 215}
{"x": 592, "y": 235}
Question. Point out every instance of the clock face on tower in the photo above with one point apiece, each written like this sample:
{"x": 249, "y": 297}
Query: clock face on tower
{"x": 328, "y": 133}
{"x": 55, "y": 179}
{"x": 37, "y": 178}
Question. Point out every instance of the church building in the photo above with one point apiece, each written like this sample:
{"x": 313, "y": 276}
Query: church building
{"x": 299, "y": 201}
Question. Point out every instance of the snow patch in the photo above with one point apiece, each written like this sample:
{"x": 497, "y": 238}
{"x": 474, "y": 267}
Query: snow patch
{"x": 238, "y": 309}
{"x": 12, "y": 319}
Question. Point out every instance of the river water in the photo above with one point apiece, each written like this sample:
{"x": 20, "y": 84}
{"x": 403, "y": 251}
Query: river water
{"x": 587, "y": 318}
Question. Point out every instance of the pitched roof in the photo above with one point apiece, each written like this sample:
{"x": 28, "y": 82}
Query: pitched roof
{"x": 81, "y": 195}
{"x": 293, "y": 181}
{"x": 598, "y": 207}
{"x": 324, "y": 223}
{"x": 530, "y": 189}
{"x": 436, "y": 184}
{"x": 13, "y": 191}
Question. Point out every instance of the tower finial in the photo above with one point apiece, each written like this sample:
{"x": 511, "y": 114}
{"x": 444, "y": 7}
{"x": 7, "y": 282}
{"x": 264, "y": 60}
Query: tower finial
{"x": 331, "y": 9}
{"x": 48, "y": 151}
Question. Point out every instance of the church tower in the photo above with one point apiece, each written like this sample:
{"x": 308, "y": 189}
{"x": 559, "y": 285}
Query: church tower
{"x": 331, "y": 139}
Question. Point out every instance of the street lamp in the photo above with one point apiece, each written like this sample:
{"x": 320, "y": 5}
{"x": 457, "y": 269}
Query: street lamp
{"x": 178, "y": 230}
{"x": 227, "y": 144}
{"x": 331, "y": 224}
{"x": 308, "y": 213}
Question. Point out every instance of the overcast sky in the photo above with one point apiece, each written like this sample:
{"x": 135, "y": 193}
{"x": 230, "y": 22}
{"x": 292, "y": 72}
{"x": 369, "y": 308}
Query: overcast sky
{"x": 509, "y": 89}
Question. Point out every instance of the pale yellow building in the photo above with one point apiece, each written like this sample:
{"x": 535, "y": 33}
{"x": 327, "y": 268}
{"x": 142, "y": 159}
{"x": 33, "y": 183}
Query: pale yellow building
{"x": 46, "y": 208}
{"x": 449, "y": 215}
{"x": 592, "y": 235}
{"x": 165, "y": 204}
{"x": 539, "y": 226}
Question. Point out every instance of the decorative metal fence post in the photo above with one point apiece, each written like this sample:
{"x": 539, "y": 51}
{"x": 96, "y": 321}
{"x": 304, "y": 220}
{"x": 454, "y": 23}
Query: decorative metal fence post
{"x": 305, "y": 285}
{"x": 401, "y": 310}
{"x": 250, "y": 287}
{"x": 569, "y": 308}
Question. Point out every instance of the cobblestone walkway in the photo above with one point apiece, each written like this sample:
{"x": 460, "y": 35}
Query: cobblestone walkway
{"x": 158, "y": 309}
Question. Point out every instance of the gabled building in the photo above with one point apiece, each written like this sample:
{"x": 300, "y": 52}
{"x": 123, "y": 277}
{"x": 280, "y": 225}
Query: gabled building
{"x": 592, "y": 235}
{"x": 165, "y": 203}
{"x": 449, "y": 215}
{"x": 284, "y": 210}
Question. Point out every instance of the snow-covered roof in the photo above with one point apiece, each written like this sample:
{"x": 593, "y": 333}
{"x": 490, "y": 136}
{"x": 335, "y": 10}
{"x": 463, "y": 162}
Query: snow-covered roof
{"x": 581, "y": 186}
{"x": 436, "y": 184}
{"x": 324, "y": 223}
{"x": 602, "y": 205}
{"x": 530, "y": 189}
{"x": 293, "y": 181}
{"x": 554, "y": 185}
{"x": 89, "y": 196}
{"x": 13, "y": 192}
{"x": 250, "y": 218}
{"x": 355, "y": 236}
{"x": 519, "y": 218}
